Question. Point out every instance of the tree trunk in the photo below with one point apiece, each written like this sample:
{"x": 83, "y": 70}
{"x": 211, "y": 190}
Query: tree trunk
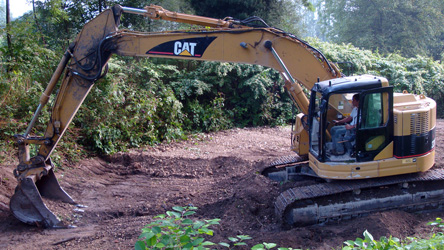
{"x": 100, "y": 6}
{"x": 37, "y": 23}
{"x": 8, "y": 37}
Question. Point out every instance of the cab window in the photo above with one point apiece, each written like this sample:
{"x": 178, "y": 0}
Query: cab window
{"x": 373, "y": 115}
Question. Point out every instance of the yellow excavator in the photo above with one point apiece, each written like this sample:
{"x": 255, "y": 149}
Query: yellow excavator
{"x": 391, "y": 152}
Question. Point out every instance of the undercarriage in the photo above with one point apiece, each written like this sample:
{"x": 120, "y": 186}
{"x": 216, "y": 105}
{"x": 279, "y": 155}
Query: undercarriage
{"x": 320, "y": 200}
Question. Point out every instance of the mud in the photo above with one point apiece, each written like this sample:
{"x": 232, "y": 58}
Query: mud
{"x": 218, "y": 173}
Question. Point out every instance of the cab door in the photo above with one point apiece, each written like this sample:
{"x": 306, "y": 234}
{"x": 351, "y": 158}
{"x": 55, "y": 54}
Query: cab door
{"x": 375, "y": 123}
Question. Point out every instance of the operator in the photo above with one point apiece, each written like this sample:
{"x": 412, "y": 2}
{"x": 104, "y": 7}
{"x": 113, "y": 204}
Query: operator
{"x": 345, "y": 133}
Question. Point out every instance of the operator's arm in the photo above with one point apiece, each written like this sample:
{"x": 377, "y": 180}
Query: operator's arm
{"x": 350, "y": 119}
{"x": 348, "y": 126}
{"x": 344, "y": 120}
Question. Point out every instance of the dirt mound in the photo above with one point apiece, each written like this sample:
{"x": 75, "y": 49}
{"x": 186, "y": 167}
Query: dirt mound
{"x": 218, "y": 173}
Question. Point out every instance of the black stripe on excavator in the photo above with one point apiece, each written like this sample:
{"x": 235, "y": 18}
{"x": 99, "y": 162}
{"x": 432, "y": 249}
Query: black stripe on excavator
{"x": 190, "y": 47}
{"x": 414, "y": 145}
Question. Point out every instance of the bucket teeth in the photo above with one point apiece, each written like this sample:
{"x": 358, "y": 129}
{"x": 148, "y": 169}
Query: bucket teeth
{"x": 27, "y": 205}
{"x": 49, "y": 187}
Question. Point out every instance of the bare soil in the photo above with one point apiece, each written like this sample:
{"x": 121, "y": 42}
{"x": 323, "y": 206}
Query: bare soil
{"x": 218, "y": 173}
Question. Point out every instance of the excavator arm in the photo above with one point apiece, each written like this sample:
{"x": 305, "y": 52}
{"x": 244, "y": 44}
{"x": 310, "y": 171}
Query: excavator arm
{"x": 85, "y": 62}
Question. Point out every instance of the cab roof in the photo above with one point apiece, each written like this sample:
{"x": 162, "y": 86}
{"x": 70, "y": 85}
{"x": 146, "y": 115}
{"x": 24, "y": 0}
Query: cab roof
{"x": 351, "y": 84}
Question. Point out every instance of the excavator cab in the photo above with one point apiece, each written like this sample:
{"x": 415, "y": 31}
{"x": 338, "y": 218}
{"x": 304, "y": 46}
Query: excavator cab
{"x": 332, "y": 100}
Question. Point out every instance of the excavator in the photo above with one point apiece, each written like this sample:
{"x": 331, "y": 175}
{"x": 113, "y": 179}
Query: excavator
{"x": 392, "y": 152}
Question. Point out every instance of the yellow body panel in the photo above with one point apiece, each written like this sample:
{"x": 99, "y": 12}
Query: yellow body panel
{"x": 299, "y": 142}
{"x": 413, "y": 114}
{"x": 372, "y": 169}
{"x": 387, "y": 152}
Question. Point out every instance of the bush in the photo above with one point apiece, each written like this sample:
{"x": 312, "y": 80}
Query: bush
{"x": 162, "y": 102}
{"x": 435, "y": 242}
{"x": 129, "y": 110}
{"x": 143, "y": 102}
{"x": 251, "y": 95}
{"x": 421, "y": 75}
{"x": 174, "y": 230}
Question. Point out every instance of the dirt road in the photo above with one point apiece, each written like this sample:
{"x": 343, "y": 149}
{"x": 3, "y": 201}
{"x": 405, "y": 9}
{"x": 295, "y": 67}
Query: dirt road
{"x": 217, "y": 172}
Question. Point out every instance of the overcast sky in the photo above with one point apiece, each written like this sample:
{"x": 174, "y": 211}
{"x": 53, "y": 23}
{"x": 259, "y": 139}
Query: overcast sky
{"x": 19, "y": 7}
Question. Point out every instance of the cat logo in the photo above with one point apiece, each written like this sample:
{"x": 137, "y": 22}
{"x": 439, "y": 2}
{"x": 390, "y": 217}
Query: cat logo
{"x": 191, "y": 47}
{"x": 184, "y": 49}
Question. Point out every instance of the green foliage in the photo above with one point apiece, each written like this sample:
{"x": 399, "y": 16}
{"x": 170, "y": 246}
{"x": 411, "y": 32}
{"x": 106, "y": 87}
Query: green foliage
{"x": 234, "y": 242}
{"x": 29, "y": 66}
{"x": 277, "y": 13}
{"x": 27, "y": 54}
{"x": 159, "y": 102}
{"x": 130, "y": 108}
{"x": 435, "y": 242}
{"x": 421, "y": 75}
{"x": 139, "y": 102}
{"x": 409, "y": 27}
{"x": 207, "y": 117}
{"x": 252, "y": 95}
{"x": 145, "y": 24}
{"x": 437, "y": 223}
{"x": 174, "y": 230}
{"x": 266, "y": 246}
{"x": 143, "y": 102}
{"x": 370, "y": 243}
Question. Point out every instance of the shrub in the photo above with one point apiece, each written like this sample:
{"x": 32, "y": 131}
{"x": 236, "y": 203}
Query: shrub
{"x": 174, "y": 231}
{"x": 435, "y": 242}
{"x": 421, "y": 75}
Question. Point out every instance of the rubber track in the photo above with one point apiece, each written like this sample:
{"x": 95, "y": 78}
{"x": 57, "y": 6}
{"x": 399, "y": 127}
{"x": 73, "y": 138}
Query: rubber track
{"x": 285, "y": 160}
{"x": 288, "y": 197}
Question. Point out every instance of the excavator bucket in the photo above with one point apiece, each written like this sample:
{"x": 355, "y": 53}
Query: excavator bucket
{"x": 27, "y": 205}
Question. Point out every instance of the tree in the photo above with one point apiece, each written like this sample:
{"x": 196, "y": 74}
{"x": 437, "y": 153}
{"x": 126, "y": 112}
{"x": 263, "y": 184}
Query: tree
{"x": 2, "y": 27}
{"x": 61, "y": 20}
{"x": 136, "y": 22}
{"x": 37, "y": 23}
{"x": 410, "y": 27}
{"x": 278, "y": 13}
{"x": 8, "y": 35}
